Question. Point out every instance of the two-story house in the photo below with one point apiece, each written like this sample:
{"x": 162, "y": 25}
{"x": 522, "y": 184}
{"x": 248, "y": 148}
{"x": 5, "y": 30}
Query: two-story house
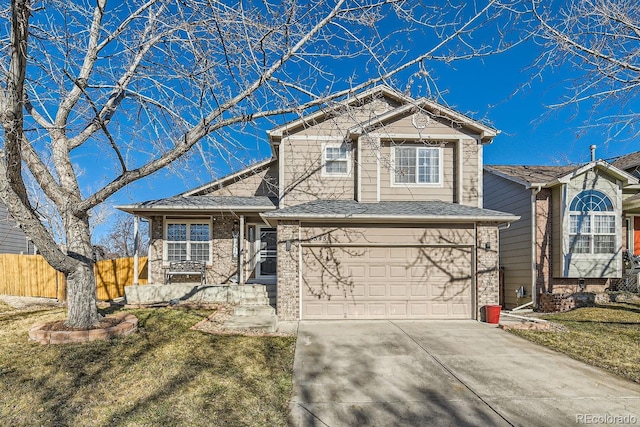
{"x": 572, "y": 229}
{"x": 368, "y": 209}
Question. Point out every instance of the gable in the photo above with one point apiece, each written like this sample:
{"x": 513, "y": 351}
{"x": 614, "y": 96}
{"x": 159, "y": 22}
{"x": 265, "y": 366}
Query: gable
{"x": 338, "y": 120}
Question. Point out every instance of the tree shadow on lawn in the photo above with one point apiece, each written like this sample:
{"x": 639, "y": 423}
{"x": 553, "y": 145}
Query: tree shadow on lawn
{"x": 144, "y": 377}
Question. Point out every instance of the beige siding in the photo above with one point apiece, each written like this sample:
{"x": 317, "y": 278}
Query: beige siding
{"x": 369, "y": 169}
{"x": 444, "y": 192}
{"x": 471, "y": 165}
{"x": 443, "y": 234}
{"x": 593, "y": 265}
{"x": 515, "y": 241}
{"x": 303, "y": 173}
{"x": 433, "y": 128}
{"x": 263, "y": 183}
{"x": 409, "y": 272}
{"x": 338, "y": 122}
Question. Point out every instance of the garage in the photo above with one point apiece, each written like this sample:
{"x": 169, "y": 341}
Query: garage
{"x": 387, "y": 273}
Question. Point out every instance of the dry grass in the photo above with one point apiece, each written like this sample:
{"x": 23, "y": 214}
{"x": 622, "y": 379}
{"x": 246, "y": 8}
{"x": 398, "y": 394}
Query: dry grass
{"x": 607, "y": 336}
{"x": 165, "y": 374}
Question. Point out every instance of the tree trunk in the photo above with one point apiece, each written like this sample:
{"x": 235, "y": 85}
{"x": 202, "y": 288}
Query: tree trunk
{"x": 82, "y": 309}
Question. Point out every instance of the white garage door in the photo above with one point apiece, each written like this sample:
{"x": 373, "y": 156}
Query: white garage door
{"x": 394, "y": 282}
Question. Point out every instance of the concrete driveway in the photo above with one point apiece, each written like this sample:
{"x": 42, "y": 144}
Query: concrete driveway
{"x": 440, "y": 373}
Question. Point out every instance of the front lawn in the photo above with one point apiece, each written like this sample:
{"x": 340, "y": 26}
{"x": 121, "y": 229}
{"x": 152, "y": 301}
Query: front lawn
{"x": 164, "y": 374}
{"x": 607, "y": 336}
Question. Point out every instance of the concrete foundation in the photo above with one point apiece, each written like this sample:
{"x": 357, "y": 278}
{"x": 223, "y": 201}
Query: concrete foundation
{"x": 153, "y": 294}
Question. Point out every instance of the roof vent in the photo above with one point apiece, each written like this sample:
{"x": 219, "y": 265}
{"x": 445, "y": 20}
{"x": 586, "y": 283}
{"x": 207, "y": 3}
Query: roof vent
{"x": 593, "y": 153}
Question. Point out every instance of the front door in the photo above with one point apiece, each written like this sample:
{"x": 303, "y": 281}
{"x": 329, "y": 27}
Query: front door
{"x": 636, "y": 235}
{"x": 267, "y": 251}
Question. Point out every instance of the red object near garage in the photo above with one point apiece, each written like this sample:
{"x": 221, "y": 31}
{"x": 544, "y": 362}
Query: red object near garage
{"x": 493, "y": 313}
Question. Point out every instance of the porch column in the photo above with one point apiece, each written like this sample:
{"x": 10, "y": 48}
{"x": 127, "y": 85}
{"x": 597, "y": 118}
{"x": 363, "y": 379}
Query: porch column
{"x": 241, "y": 252}
{"x": 136, "y": 239}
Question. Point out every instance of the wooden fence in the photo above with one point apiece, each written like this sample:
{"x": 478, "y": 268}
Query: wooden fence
{"x": 32, "y": 276}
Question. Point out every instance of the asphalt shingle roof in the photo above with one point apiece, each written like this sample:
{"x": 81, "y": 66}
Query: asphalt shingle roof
{"x": 627, "y": 161}
{"x": 206, "y": 202}
{"x": 416, "y": 209}
{"x": 534, "y": 174}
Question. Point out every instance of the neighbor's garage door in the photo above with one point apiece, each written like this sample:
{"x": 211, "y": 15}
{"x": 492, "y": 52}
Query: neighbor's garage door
{"x": 347, "y": 281}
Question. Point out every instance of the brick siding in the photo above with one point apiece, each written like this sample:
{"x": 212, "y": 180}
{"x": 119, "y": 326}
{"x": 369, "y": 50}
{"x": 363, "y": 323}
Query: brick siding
{"x": 288, "y": 299}
{"x": 487, "y": 273}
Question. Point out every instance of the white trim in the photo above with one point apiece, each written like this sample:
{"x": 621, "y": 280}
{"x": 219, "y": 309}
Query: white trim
{"x": 348, "y": 160}
{"x": 313, "y": 138}
{"x": 392, "y": 172}
{"x": 448, "y": 137}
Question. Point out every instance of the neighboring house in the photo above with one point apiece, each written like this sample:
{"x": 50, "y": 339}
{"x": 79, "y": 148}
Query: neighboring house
{"x": 12, "y": 239}
{"x": 630, "y": 163}
{"x": 370, "y": 209}
{"x": 572, "y": 227}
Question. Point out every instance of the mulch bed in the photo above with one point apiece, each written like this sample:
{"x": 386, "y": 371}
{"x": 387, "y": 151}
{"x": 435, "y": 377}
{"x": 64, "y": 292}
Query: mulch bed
{"x": 59, "y": 325}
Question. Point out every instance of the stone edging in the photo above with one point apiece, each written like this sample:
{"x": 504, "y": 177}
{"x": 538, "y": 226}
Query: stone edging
{"x": 128, "y": 325}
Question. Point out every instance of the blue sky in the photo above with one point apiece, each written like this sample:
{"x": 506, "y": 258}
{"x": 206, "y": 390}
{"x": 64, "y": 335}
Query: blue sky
{"x": 495, "y": 89}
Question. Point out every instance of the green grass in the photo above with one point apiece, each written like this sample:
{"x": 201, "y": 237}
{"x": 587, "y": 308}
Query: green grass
{"x": 164, "y": 374}
{"x": 607, "y": 336}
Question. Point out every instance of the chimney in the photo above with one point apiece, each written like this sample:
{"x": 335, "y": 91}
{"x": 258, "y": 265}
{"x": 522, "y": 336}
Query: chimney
{"x": 593, "y": 153}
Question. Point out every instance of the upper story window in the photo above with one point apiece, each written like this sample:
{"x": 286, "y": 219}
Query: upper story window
{"x": 337, "y": 159}
{"x": 188, "y": 241}
{"x": 592, "y": 223}
{"x": 417, "y": 165}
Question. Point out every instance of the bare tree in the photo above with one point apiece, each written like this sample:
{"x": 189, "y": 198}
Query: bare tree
{"x": 141, "y": 84}
{"x": 600, "y": 41}
{"x": 119, "y": 242}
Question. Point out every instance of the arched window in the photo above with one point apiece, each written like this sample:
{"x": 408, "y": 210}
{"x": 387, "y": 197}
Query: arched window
{"x": 592, "y": 223}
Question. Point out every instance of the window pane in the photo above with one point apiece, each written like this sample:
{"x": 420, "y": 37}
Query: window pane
{"x": 604, "y": 244}
{"x": 405, "y": 165}
{"x": 579, "y": 224}
{"x": 333, "y": 153}
{"x": 199, "y": 232}
{"x": 580, "y": 244}
{"x": 590, "y": 201}
{"x": 176, "y": 251}
{"x": 337, "y": 167}
{"x": 428, "y": 166}
{"x": 604, "y": 224}
{"x": 200, "y": 252}
{"x": 177, "y": 232}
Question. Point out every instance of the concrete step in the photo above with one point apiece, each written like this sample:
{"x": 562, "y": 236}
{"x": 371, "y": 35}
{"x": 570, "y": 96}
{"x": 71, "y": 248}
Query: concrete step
{"x": 255, "y": 301}
{"x": 265, "y": 323}
{"x": 254, "y": 310}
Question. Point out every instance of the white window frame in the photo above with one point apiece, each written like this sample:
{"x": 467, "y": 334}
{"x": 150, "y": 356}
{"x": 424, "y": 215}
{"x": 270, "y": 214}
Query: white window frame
{"x": 417, "y": 148}
{"x": 589, "y": 230}
{"x": 188, "y": 223}
{"x": 347, "y": 159}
